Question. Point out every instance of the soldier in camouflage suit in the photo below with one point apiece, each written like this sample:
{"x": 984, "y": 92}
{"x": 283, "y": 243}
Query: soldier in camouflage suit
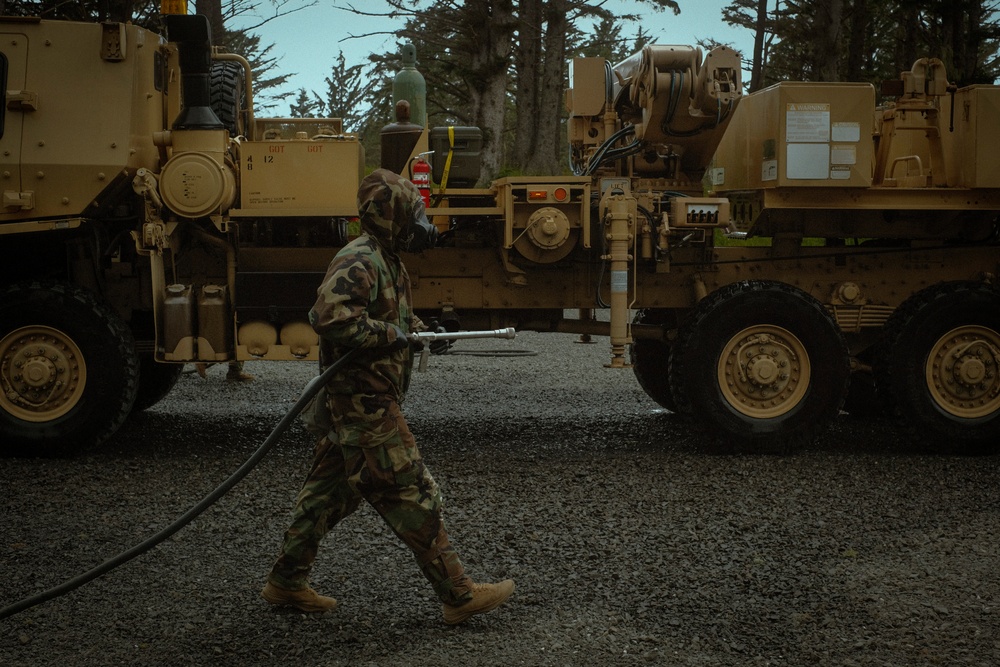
{"x": 364, "y": 302}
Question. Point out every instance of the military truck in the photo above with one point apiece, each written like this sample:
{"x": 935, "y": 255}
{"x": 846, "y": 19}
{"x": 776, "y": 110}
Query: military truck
{"x": 747, "y": 255}
{"x": 143, "y": 207}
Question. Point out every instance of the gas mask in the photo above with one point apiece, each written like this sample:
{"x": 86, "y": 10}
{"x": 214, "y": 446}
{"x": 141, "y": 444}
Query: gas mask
{"x": 419, "y": 234}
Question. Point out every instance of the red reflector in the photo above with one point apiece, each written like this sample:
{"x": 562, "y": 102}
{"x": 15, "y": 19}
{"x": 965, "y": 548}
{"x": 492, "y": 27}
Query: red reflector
{"x": 535, "y": 195}
{"x": 560, "y": 194}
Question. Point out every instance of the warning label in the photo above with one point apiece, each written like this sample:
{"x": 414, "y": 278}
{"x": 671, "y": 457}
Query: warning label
{"x": 807, "y": 123}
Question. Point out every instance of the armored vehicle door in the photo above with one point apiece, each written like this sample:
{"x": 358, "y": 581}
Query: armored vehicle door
{"x": 16, "y": 102}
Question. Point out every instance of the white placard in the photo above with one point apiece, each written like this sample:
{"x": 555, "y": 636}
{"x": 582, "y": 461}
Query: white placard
{"x": 619, "y": 281}
{"x": 807, "y": 123}
{"x": 846, "y": 132}
{"x": 808, "y": 161}
{"x": 840, "y": 154}
{"x": 769, "y": 170}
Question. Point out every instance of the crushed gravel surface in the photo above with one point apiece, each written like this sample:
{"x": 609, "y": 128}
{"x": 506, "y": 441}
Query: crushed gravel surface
{"x": 630, "y": 542}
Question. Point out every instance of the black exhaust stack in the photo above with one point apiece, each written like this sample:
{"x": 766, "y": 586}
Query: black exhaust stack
{"x": 193, "y": 36}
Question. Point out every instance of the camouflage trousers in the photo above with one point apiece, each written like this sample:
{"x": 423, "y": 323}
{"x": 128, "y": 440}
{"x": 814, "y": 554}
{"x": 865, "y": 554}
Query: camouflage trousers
{"x": 392, "y": 478}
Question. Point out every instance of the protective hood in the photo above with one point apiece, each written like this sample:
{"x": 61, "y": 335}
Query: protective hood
{"x": 392, "y": 211}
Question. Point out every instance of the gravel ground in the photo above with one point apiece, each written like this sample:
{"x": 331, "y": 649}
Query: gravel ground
{"x": 630, "y": 543}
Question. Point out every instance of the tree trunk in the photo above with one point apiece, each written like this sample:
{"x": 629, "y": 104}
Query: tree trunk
{"x": 528, "y": 60}
{"x": 118, "y": 11}
{"x": 859, "y": 23}
{"x": 543, "y": 25}
{"x": 493, "y": 21}
{"x": 545, "y": 159}
{"x": 213, "y": 10}
{"x": 760, "y": 30}
{"x": 909, "y": 26}
{"x": 962, "y": 33}
{"x": 830, "y": 14}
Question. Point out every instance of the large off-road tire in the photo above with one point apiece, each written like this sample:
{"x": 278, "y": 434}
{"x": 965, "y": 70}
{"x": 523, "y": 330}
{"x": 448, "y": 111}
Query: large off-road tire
{"x": 762, "y": 365}
{"x": 941, "y": 367}
{"x": 68, "y": 369}
{"x": 228, "y": 94}
{"x": 651, "y": 359}
{"x": 155, "y": 382}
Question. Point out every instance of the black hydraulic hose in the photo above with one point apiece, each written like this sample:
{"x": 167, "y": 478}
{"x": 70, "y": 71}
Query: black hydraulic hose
{"x": 598, "y": 157}
{"x": 308, "y": 392}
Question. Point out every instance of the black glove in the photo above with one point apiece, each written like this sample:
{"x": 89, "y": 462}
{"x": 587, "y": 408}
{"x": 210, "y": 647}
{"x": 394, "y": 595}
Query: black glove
{"x": 441, "y": 345}
{"x": 401, "y": 342}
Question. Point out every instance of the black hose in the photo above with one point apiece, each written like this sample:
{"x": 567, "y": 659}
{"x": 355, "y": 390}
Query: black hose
{"x": 491, "y": 353}
{"x": 598, "y": 157}
{"x": 308, "y": 392}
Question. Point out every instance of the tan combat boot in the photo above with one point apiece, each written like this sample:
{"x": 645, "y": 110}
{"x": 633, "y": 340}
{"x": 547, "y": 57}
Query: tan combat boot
{"x": 306, "y": 600}
{"x": 236, "y": 373}
{"x": 485, "y": 597}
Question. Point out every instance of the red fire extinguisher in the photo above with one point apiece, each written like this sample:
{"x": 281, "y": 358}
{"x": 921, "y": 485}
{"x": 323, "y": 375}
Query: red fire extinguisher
{"x": 421, "y": 177}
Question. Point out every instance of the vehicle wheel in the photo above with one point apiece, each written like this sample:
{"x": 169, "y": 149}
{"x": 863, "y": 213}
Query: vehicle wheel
{"x": 762, "y": 365}
{"x": 941, "y": 367}
{"x": 155, "y": 381}
{"x": 651, "y": 359}
{"x": 228, "y": 94}
{"x": 68, "y": 369}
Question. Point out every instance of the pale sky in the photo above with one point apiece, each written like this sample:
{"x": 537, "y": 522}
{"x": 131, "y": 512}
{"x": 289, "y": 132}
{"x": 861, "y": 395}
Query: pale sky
{"x": 307, "y": 42}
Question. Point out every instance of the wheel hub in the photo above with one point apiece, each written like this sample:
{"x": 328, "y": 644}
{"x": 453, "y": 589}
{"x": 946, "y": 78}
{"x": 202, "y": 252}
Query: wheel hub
{"x": 42, "y": 373}
{"x": 970, "y": 371}
{"x": 764, "y": 371}
{"x": 38, "y": 372}
{"x": 962, "y": 372}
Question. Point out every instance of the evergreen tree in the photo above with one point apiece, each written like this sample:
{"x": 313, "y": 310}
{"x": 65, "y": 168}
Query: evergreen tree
{"x": 344, "y": 94}
{"x": 305, "y": 105}
{"x": 140, "y": 12}
{"x": 964, "y": 34}
{"x": 810, "y": 38}
{"x": 753, "y": 15}
{"x": 344, "y": 99}
{"x": 463, "y": 52}
{"x": 263, "y": 67}
{"x": 864, "y": 40}
{"x": 500, "y": 66}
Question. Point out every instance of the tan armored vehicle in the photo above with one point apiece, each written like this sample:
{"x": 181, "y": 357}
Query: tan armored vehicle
{"x": 760, "y": 259}
{"x": 136, "y": 186}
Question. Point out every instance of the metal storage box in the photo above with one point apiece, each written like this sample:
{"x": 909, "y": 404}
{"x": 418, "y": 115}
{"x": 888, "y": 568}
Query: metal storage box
{"x": 799, "y": 134}
{"x": 466, "y": 148}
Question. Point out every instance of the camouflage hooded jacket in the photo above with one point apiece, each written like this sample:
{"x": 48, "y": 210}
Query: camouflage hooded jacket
{"x": 365, "y": 291}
